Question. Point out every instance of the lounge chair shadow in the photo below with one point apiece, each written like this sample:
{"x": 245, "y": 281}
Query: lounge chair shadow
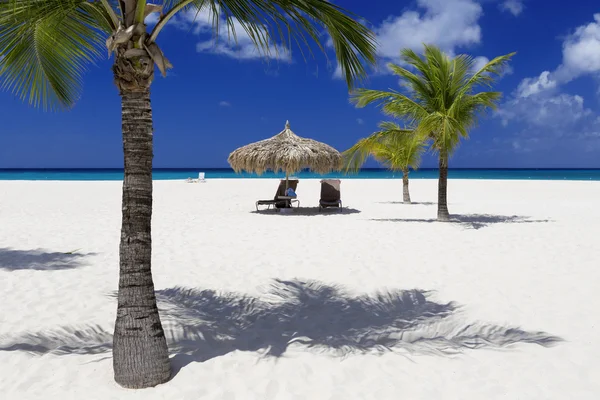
{"x": 472, "y": 221}
{"x": 418, "y": 203}
{"x": 309, "y": 211}
{"x": 299, "y": 315}
{"x": 39, "y": 260}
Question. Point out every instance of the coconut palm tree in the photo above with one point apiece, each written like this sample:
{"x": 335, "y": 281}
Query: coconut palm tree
{"x": 397, "y": 148}
{"x": 45, "y": 45}
{"x": 440, "y": 101}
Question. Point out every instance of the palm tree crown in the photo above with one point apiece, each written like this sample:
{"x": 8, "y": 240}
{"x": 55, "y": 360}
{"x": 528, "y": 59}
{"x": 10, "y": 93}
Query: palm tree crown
{"x": 441, "y": 102}
{"x": 46, "y": 45}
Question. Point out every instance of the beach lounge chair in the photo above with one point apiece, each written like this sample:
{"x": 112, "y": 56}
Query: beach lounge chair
{"x": 330, "y": 194}
{"x": 201, "y": 176}
{"x": 277, "y": 202}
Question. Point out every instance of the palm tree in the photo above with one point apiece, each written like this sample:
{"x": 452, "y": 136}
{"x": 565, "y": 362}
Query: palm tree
{"x": 397, "y": 148}
{"x": 440, "y": 102}
{"x": 45, "y": 46}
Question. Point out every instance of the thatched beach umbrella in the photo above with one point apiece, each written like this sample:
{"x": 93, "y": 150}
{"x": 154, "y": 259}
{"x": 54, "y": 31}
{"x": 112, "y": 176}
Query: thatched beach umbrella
{"x": 286, "y": 152}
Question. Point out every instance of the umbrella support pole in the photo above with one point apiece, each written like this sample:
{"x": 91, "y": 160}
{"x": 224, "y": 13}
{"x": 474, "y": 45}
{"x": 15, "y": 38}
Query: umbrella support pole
{"x": 288, "y": 204}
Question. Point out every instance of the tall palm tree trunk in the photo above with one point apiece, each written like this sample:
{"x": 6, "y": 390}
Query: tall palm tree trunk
{"x": 443, "y": 214}
{"x": 405, "y": 192}
{"x": 140, "y": 353}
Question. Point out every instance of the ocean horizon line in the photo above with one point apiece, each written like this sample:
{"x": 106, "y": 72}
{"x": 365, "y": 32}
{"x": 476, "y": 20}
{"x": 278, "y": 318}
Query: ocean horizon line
{"x": 201, "y": 169}
{"x": 116, "y": 174}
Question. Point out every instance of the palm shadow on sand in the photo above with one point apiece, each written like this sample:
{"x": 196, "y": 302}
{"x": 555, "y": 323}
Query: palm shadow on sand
{"x": 412, "y": 203}
{"x": 39, "y": 260}
{"x": 472, "y": 221}
{"x": 203, "y": 324}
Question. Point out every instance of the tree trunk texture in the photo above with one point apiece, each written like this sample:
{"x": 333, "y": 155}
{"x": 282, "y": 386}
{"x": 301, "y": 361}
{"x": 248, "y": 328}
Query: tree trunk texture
{"x": 405, "y": 192}
{"x": 140, "y": 353}
{"x": 443, "y": 214}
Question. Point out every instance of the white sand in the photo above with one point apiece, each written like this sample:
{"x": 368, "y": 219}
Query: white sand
{"x": 538, "y": 270}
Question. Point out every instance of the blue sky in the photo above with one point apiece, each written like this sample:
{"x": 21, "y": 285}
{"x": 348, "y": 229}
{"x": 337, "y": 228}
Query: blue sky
{"x": 219, "y": 97}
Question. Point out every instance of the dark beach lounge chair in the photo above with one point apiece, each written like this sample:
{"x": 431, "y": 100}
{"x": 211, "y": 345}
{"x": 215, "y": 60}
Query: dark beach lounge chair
{"x": 330, "y": 194}
{"x": 277, "y": 202}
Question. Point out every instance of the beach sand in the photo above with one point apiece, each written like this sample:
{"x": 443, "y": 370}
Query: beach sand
{"x": 522, "y": 254}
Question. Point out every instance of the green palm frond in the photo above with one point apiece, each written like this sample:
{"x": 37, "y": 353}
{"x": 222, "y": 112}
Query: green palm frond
{"x": 488, "y": 74}
{"x": 469, "y": 108}
{"x": 441, "y": 102}
{"x": 443, "y": 130}
{"x": 393, "y": 127}
{"x": 418, "y": 86}
{"x": 462, "y": 67}
{"x": 411, "y": 58}
{"x": 392, "y": 103}
{"x": 395, "y": 147}
{"x": 357, "y": 155}
{"x": 46, "y": 45}
{"x": 290, "y": 21}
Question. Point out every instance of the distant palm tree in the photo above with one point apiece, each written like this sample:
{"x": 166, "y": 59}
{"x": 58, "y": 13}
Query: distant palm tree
{"x": 45, "y": 46}
{"x": 397, "y": 148}
{"x": 440, "y": 101}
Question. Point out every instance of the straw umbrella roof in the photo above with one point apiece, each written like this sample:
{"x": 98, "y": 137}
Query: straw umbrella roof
{"x": 286, "y": 152}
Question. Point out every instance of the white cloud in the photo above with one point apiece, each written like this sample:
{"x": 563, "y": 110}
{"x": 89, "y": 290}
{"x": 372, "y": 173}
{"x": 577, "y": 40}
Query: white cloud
{"x": 337, "y": 73}
{"x": 446, "y": 23}
{"x": 224, "y": 103}
{"x": 360, "y": 121}
{"x": 581, "y": 56}
{"x": 581, "y": 52}
{"x": 555, "y": 112}
{"x": 515, "y": 7}
{"x": 225, "y": 42}
{"x": 539, "y": 102}
{"x": 152, "y": 19}
{"x": 532, "y": 86}
{"x": 550, "y": 123}
{"x": 243, "y": 50}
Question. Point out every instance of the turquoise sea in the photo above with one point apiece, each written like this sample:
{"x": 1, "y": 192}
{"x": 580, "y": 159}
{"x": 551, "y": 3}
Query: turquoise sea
{"x": 369, "y": 173}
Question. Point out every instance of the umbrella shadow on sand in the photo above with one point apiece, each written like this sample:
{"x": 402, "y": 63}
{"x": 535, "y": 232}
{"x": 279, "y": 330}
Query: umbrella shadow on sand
{"x": 40, "y": 260}
{"x": 309, "y": 211}
{"x": 299, "y": 315}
